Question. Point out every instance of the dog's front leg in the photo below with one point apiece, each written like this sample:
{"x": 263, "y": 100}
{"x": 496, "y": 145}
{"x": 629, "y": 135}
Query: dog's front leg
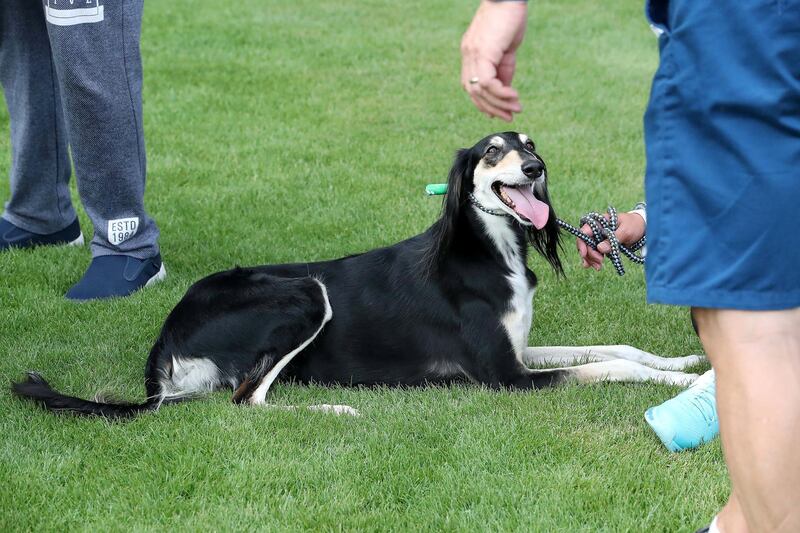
{"x": 615, "y": 370}
{"x": 508, "y": 372}
{"x": 574, "y": 355}
{"x": 622, "y": 370}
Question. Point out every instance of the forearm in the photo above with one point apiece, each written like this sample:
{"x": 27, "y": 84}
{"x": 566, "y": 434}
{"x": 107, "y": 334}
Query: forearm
{"x": 488, "y": 56}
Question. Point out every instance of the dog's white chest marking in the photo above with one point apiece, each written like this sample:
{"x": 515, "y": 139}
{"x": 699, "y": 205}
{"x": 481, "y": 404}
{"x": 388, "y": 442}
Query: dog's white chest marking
{"x": 518, "y": 318}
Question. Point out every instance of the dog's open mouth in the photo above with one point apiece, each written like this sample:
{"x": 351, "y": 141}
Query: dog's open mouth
{"x": 520, "y": 198}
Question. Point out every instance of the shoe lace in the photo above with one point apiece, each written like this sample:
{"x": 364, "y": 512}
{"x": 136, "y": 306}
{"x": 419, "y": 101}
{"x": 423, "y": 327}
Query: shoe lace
{"x": 704, "y": 401}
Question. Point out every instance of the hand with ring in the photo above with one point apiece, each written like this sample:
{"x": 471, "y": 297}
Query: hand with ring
{"x": 488, "y": 57}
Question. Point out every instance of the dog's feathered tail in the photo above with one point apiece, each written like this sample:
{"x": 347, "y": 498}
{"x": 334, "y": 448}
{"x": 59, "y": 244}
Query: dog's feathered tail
{"x": 35, "y": 388}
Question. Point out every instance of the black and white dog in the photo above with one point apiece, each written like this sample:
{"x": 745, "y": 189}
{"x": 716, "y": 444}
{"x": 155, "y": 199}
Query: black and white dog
{"x": 452, "y": 303}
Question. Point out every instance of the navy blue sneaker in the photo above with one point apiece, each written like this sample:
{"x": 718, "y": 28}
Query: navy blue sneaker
{"x": 13, "y": 237}
{"x": 117, "y": 275}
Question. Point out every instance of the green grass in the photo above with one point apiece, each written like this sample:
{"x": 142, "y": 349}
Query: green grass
{"x": 284, "y": 131}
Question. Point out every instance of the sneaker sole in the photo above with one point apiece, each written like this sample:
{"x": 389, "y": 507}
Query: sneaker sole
{"x": 160, "y": 275}
{"x": 77, "y": 242}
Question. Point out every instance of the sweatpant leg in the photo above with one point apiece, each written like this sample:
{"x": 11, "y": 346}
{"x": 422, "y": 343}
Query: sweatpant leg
{"x": 96, "y": 55}
{"x": 40, "y": 169}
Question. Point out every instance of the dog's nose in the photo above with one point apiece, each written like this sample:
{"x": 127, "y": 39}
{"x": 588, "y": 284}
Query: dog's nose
{"x": 532, "y": 168}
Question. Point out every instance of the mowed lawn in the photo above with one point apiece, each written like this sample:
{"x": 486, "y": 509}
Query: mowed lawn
{"x": 304, "y": 130}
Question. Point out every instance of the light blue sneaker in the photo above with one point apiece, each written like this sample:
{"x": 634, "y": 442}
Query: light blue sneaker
{"x": 690, "y": 418}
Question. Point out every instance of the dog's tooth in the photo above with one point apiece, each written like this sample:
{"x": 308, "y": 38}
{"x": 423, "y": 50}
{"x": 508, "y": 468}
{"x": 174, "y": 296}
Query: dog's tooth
{"x": 507, "y": 199}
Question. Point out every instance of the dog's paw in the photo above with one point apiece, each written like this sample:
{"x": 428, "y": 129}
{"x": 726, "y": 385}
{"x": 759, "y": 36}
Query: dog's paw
{"x": 335, "y": 409}
{"x": 682, "y": 363}
{"x": 675, "y": 363}
{"x": 678, "y": 378}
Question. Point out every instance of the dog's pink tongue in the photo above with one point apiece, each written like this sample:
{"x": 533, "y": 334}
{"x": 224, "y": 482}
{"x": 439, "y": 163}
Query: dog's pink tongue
{"x": 528, "y": 205}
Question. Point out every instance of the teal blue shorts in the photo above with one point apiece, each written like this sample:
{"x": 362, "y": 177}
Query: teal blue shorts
{"x": 722, "y": 133}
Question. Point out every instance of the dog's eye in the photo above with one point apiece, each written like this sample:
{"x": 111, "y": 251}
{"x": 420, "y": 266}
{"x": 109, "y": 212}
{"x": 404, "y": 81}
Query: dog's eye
{"x": 530, "y": 146}
{"x": 491, "y": 150}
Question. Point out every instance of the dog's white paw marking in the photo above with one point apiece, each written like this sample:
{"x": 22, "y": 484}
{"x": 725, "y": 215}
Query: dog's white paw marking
{"x": 678, "y": 378}
{"x": 335, "y": 409}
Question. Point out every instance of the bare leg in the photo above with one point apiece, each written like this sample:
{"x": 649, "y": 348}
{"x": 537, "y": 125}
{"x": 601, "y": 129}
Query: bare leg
{"x": 756, "y": 355}
{"x": 573, "y": 355}
{"x": 731, "y": 519}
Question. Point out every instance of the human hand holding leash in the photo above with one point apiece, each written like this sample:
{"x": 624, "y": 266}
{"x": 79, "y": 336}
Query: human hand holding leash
{"x": 632, "y": 227}
{"x": 488, "y": 57}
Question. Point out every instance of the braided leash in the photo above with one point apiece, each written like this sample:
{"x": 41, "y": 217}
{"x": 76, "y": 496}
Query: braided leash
{"x": 603, "y": 229}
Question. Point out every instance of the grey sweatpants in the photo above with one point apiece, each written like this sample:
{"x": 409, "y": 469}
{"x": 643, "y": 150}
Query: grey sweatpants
{"x": 72, "y": 77}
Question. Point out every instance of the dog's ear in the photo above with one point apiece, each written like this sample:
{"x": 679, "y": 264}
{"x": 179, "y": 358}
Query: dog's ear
{"x": 454, "y": 199}
{"x": 546, "y": 240}
{"x": 445, "y": 228}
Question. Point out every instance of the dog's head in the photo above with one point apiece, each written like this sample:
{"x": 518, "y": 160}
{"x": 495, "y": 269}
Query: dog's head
{"x": 505, "y": 175}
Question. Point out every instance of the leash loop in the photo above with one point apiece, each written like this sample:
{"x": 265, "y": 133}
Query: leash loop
{"x": 604, "y": 229}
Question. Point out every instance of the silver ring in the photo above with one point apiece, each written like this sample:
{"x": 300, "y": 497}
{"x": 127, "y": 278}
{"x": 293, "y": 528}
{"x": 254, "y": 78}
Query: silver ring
{"x": 473, "y": 80}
